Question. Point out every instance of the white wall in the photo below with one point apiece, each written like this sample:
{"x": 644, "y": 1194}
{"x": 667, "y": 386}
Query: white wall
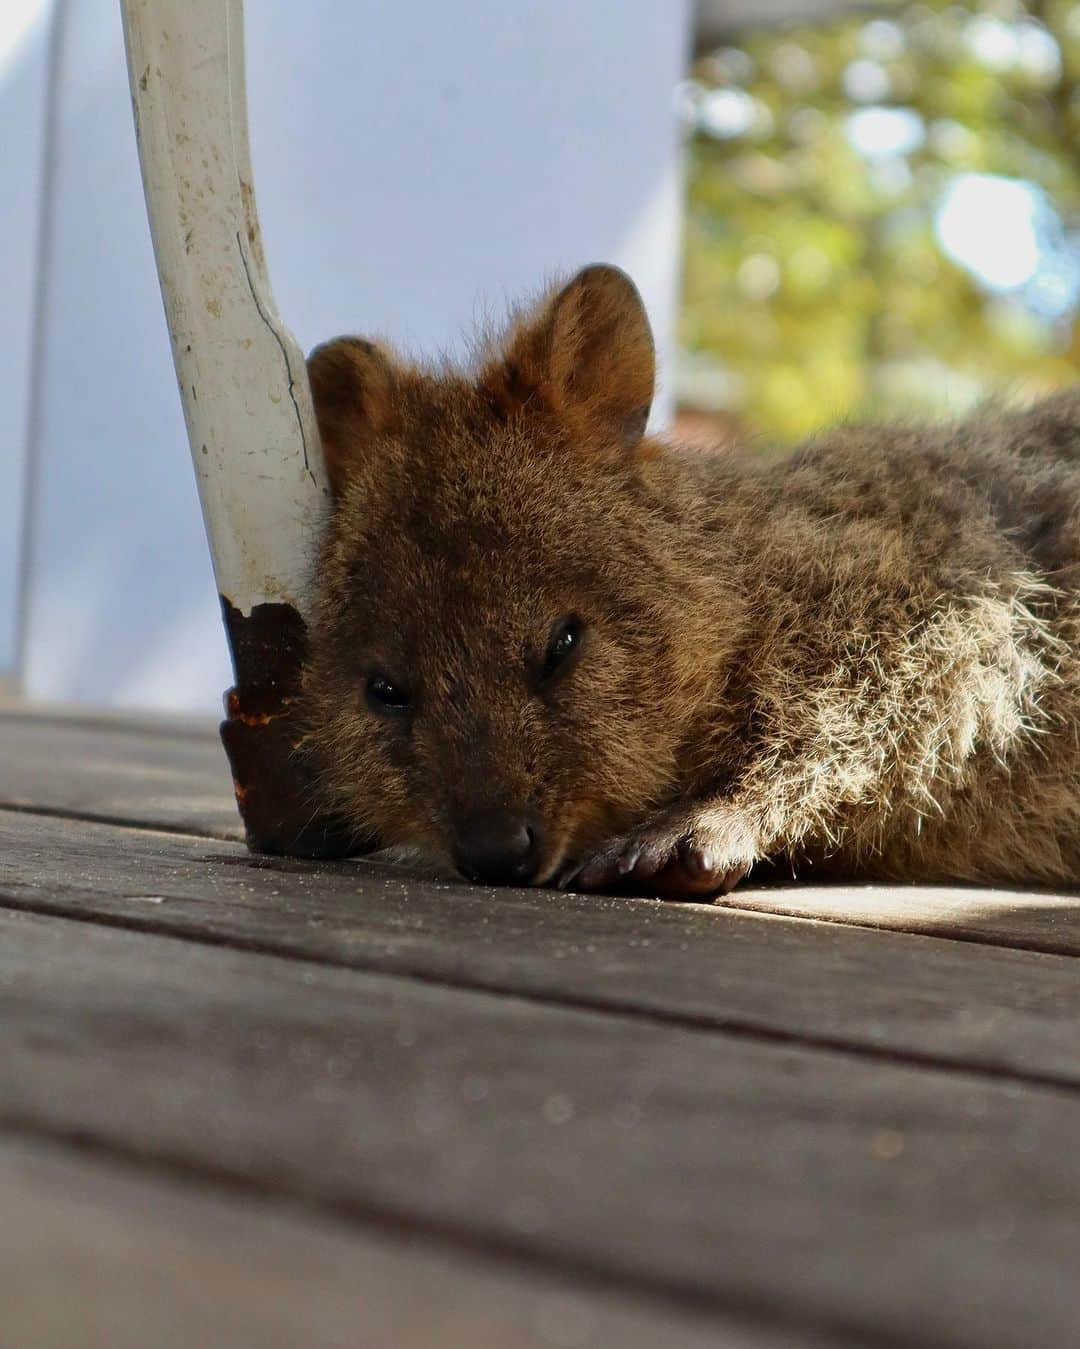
{"x": 24, "y": 34}
{"x": 417, "y": 165}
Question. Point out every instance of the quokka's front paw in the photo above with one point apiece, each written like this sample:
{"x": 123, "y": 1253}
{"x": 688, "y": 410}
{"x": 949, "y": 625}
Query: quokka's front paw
{"x": 676, "y": 855}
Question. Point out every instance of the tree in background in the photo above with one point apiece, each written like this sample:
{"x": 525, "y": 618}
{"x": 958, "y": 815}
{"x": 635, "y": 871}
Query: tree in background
{"x": 884, "y": 214}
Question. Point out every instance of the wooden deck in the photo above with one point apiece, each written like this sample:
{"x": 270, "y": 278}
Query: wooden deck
{"x": 249, "y": 1102}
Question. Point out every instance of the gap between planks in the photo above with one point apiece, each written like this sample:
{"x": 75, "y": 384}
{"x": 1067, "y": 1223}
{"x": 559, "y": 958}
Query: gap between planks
{"x": 148, "y": 826}
{"x": 641, "y": 1311}
{"x": 136, "y": 1244}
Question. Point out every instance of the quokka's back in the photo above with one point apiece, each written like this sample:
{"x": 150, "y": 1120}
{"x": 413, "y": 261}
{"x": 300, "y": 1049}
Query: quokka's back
{"x": 922, "y": 588}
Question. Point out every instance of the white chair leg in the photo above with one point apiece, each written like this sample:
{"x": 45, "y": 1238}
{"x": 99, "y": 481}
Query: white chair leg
{"x": 244, "y": 388}
{"x": 241, "y": 374}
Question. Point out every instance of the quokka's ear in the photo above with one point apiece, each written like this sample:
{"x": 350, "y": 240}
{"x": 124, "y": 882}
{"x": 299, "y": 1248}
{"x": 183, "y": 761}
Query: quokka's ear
{"x": 586, "y": 354}
{"x": 354, "y": 386}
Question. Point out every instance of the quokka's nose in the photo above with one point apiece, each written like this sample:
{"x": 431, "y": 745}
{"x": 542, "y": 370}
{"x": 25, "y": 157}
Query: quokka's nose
{"x": 498, "y": 848}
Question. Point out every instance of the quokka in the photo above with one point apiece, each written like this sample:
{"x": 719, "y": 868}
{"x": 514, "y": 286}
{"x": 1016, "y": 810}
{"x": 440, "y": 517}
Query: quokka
{"x": 553, "y": 649}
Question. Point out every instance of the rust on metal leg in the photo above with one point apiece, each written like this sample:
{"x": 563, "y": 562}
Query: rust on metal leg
{"x": 271, "y": 774}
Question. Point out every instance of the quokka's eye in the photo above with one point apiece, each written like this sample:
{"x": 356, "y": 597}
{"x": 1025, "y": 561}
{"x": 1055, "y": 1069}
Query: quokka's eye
{"x": 385, "y": 698}
{"x": 564, "y": 646}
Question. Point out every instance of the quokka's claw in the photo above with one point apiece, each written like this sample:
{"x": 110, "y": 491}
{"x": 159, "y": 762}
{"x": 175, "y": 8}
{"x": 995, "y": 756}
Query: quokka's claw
{"x": 676, "y": 868}
{"x": 689, "y": 878}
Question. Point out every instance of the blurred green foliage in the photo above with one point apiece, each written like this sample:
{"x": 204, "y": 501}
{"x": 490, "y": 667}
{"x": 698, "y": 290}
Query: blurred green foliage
{"x": 815, "y": 285}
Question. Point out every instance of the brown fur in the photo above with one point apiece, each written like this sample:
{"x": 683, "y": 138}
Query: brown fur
{"x": 864, "y": 660}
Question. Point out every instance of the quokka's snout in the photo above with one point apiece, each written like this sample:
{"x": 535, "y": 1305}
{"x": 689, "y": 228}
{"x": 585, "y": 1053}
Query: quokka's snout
{"x": 499, "y": 847}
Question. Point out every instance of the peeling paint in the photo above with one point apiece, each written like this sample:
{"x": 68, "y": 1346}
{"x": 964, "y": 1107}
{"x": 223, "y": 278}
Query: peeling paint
{"x": 254, "y": 237}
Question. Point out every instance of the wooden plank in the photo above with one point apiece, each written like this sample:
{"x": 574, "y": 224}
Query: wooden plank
{"x": 1034, "y": 920}
{"x": 98, "y": 1255}
{"x": 169, "y": 776}
{"x": 890, "y": 1203}
{"x": 114, "y": 770}
{"x": 877, "y": 993}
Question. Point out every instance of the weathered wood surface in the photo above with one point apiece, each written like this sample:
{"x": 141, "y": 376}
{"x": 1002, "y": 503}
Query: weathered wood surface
{"x": 172, "y": 777}
{"x": 256, "y": 1101}
{"x": 877, "y": 993}
{"x": 1030, "y": 919}
{"x": 95, "y": 1254}
{"x": 889, "y": 1203}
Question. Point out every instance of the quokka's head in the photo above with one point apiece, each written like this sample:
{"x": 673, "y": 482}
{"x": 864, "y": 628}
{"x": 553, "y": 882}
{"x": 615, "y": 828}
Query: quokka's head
{"x": 504, "y": 656}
